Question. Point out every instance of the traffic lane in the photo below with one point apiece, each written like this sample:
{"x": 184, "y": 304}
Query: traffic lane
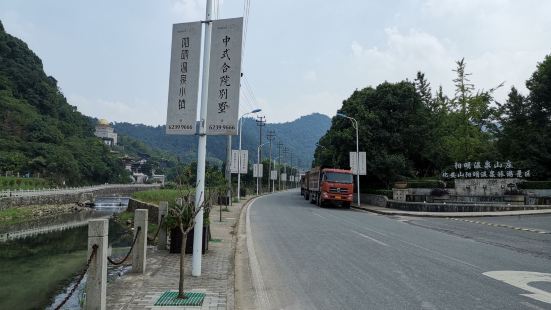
{"x": 326, "y": 259}
{"x": 525, "y": 242}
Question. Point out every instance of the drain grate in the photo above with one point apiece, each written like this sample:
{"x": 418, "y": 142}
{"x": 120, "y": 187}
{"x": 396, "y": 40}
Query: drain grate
{"x": 169, "y": 298}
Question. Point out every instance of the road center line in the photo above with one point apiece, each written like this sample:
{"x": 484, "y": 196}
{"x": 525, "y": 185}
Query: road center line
{"x": 323, "y": 217}
{"x": 370, "y": 238}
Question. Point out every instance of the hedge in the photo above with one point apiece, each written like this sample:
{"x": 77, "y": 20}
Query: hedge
{"x": 534, "y": 185}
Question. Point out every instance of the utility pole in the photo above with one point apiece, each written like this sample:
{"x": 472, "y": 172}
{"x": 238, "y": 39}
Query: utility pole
{"x": 271, "y": 137}
{"x": 260, "y": 122}
{"x": 291, "y": 166}
{"x": 201, "y": 150}
{"x": 285, "y": 151}
{"x": 279, "y": 145}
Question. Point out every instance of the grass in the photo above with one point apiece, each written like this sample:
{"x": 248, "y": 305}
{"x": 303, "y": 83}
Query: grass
{"x": 14, "y": 215}
{"x": 7, "y": 183}
{"x": 127, "y": 215}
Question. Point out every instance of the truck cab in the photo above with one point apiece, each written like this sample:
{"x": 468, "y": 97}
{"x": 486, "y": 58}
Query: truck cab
{"x": 330, "y": 186}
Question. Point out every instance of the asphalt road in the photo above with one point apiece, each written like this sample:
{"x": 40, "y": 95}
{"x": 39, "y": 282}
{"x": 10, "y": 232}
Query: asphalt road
{"x": 322, "y": 258}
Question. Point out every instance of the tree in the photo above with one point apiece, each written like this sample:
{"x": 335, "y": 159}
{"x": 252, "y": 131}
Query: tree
{"x": 181, "y": 214}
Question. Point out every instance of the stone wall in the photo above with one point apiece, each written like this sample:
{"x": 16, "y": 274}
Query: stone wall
{"x": 483, "y": 187}
{"x": 152, "y": 210}
{"x": 65, "y": 198}
{"x": 452, "y": 207}
{"x": 374, "y": 200}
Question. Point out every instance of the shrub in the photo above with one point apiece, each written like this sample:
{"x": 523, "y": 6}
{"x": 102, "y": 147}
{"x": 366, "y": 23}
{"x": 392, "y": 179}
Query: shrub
{"x": 426, "y": 184}
{"x": 439, "y": 192}
{"x": 534, "y": 185}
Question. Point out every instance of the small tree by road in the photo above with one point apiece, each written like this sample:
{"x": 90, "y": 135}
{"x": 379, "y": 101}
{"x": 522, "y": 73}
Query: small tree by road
{"x": 181, "y": 215}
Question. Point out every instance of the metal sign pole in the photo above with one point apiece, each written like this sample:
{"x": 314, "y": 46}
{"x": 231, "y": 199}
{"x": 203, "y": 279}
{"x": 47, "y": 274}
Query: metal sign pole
{"x": 202, "y": 151}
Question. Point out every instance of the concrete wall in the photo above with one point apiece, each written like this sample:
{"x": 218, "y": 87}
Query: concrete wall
{"x": 451, "y": 207}
{"x": 374, "y": 200}
{"x": 64, "y": 198}
{"x": 153, "y": 210}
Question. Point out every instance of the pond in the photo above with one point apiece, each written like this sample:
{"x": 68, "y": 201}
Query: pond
{"x": 38, "y": 271}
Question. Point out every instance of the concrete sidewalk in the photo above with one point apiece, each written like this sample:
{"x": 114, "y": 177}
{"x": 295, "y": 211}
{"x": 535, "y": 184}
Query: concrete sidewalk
{"x": 133, "y": 291}
{"x": 388, "y": 211}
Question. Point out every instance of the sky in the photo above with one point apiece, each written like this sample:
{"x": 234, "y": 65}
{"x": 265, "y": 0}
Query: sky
{"x": 111, "y": 58}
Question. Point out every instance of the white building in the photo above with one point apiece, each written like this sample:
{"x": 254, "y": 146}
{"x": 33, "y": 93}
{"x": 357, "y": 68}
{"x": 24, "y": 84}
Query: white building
{"x": 106, "y": 132}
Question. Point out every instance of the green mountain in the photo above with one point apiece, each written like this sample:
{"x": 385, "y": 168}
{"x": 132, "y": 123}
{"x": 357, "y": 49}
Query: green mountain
{"x": 40, "y": 133}
{"x": 299, "y": 136}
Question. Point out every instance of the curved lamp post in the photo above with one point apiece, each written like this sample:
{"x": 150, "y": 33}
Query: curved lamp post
{"x": 239, "y": 156}
{"x": 355, "y": 124}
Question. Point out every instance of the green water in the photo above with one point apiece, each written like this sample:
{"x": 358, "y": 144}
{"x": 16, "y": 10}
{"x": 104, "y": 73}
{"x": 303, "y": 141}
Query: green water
{"x": 35, "y": 269}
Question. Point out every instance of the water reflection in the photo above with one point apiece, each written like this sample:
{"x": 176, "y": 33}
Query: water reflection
{"x": 38, "y": 270}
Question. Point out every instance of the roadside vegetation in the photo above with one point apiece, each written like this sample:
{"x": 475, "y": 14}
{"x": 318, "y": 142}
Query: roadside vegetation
{"x": 13, "y": 183}
{"x": 412, "y": 132}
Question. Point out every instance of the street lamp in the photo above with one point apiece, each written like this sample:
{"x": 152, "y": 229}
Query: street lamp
{"x": 258, "y": 164}
{"x": 239, "y": 156}
{"x": 355, "y": 124}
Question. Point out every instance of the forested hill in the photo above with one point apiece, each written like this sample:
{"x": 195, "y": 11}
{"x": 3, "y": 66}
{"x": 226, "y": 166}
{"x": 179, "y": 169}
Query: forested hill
{"x": 300, "y": 136}
{"x": 39, "y": 131}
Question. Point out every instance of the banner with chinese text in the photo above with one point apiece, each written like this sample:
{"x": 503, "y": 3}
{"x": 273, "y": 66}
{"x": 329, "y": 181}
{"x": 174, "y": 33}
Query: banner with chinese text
{"x": 224, "y": 76}
{"x": 183, "y": 86}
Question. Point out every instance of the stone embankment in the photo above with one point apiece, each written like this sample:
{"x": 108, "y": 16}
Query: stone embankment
{"x": 30, "y": 217}
{"x": 67, "y": 196}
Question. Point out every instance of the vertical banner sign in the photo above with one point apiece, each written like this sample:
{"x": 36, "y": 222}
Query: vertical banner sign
{"x": 224, "y": 76}
{"x": 363, "y": 164}
{"x": 354, "y": 163}
{"x": 284, "y": 177}
{"x": 183, "y": 86}
{"x": 244, "y": 162}
{"x": 273, "y": 175}
{"x": 234, "y": 161}
{"x": 258, "y": 170}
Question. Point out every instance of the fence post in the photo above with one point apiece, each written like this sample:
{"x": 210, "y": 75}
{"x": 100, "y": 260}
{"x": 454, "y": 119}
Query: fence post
{"x": 163, "y": 211}
{"x": 139, "y": 251}
{"x": 96, "y": 284}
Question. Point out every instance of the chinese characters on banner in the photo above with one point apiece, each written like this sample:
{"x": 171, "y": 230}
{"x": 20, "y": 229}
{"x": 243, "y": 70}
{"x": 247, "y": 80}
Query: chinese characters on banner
{"x": 486, "y": 169}
{"x": 183, "y": 86}
{"x": 224, "y": 76}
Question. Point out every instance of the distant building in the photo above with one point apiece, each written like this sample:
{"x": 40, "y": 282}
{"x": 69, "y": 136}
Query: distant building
{"x": 106, "y": 132}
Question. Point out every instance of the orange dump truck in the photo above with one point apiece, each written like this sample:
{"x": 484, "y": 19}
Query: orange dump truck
{"x": 329, "y": 186}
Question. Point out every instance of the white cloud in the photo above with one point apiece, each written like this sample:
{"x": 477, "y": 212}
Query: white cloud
{"x": 310, "y": 76}
{"x": 401, "y": 56}
{"x": 188, "y": 10}
{"x": 119, "y": 111}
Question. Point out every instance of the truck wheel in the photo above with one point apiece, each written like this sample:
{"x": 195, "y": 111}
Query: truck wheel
{"x": 346, "y": 205}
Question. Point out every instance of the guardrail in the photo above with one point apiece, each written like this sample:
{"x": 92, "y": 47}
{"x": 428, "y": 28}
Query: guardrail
{"x": 66, "y": 190}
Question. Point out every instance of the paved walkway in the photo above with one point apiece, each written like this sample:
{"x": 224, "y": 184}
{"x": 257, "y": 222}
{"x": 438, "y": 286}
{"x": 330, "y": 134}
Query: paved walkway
{"x": 162, "y": 271}
{"x": 388, "y": 211}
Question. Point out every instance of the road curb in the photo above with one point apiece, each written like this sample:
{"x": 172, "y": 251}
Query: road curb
{"x": 452, "y": 214}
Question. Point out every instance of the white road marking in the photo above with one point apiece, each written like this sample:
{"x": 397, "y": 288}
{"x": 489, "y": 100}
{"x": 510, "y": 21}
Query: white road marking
{"x": 323, "y": 217}
{"x": 258, "y": 283}
{"x": 521, "y": 279}
{"x": 372, "y": 239}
